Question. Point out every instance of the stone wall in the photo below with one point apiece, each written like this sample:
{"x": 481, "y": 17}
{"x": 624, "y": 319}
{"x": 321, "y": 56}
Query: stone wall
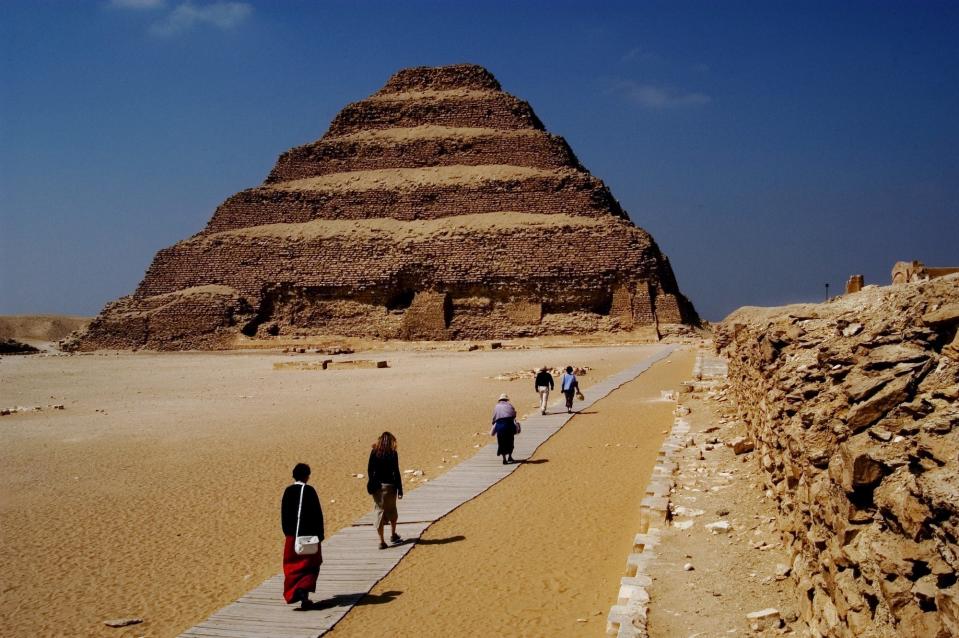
{"x": 428, "y": 317}
{"x": 202, "y": 318}
{"x": 852, "y": 407}
{"x": 443, "y": 78}
{"x": 495, "y": 110}
{"x": 550, "y": 255}
{"x": 338, "y": 154}
{"x": 577, "y": 194}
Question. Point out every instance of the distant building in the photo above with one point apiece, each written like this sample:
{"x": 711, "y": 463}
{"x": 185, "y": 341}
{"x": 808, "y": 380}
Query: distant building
{"x": 908, "y": 271}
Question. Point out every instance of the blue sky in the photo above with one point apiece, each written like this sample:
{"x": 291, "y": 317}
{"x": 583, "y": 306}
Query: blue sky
{"x": 769, "y": 147}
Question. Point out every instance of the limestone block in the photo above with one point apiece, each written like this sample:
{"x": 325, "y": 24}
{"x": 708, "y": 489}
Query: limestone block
{"x": 742, "y": 445}
{"x": 764, "y": 619}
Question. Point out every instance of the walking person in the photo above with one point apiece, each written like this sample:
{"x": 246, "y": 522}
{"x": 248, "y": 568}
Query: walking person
{"x": 505, "y": 428}
{"x": 301, "y": 516}
{"x": 543, "y": 384}
{"x": 385, "y": 485}
{"x": 570, "y": 386}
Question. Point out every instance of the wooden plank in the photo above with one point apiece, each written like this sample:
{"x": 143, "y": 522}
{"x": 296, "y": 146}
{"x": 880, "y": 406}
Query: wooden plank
{"x": 353, "y": 562}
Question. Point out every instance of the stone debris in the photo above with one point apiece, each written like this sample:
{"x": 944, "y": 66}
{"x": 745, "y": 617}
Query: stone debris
{"x": 329, "y": 364}
{"x": 719, "y": 527}
{"x": 764, "y": 619}
{"x": 741, "y": 445}
{"x": 852, "y": 408}
{"x": 628, "y": 616}
{"x": 557, "y": 373}
{"x": 36, "y": 408}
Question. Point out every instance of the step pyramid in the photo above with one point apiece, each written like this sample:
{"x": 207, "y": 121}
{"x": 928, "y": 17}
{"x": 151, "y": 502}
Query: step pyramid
{"x": 437, "y": 208}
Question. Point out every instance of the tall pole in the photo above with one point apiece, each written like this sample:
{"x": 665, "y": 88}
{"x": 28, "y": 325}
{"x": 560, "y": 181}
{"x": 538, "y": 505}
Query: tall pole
{"x": 827, "y": 292}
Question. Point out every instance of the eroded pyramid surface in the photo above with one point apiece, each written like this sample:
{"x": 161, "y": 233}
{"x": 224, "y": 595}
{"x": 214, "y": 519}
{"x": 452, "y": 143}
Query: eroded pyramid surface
{"x": 437, "y": 208}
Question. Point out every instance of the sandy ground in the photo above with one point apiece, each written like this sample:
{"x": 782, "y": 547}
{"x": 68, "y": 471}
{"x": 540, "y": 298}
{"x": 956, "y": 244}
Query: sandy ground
{"x": 541, "y": 553}
{"x": 734, "y": 573}
{"x": 155, "y": 493}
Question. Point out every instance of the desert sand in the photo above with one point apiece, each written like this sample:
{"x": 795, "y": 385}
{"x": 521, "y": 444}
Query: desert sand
{"x": 155, "y": 492}
{"x": 542, "y": 552}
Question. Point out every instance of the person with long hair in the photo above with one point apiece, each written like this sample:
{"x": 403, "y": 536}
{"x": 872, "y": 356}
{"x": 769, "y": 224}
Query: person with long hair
{"x": 385, "y": 485}
{"x": 300, "y": 515}
{"x": 505, "y": 428}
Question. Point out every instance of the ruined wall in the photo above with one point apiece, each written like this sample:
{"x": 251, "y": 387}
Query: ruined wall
{"x": 852, "y": 406}
{"x": 912, "y": 271}
{"x": 549, "y": 255}
{"x": 202, "y": 318}
{"x": 428, "y": 316}
{"x": 495, "y": 110}
{"x": 568, "y": 195}
{"x": 855, "y": 283}
{"x": 342, "y": 154}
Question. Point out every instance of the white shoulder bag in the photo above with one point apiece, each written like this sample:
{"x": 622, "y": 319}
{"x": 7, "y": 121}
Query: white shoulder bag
{"x": 304, "y": 545}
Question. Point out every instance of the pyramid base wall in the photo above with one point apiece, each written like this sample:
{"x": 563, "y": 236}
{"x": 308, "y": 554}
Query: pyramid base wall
{"x": 194, "y": 321}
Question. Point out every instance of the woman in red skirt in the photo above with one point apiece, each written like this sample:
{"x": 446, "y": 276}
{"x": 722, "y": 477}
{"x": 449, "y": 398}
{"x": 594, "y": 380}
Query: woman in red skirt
{"x": 300, "y": 503}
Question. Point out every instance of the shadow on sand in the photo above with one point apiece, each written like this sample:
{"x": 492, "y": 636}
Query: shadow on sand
{"x": 347, "y": 600}
{"x": 431, "y": 541}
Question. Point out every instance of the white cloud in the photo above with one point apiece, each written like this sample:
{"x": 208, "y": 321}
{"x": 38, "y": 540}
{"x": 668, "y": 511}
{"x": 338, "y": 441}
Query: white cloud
{"x": 137, "y": 4}
{"x": 221, "y": 15}
{"x": 657, "y": 97}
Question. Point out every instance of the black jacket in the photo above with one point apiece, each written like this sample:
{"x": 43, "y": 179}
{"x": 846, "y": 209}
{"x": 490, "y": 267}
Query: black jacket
{"x": 311, "y": 519}
{"x": 543, "y": 378}
{"x": 385, "y": 469}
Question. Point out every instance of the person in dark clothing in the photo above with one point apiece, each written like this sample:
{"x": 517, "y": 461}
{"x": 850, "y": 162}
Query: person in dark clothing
{"x": 505, "y": 428}
{"x": 300, "y": 515}
{"x": 543, "y": 384}
{"x": 385, "y": 485}
{"x": 570, "y": 386}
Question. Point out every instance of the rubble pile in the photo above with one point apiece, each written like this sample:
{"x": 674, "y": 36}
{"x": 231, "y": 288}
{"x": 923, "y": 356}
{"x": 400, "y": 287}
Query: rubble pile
{"x": 851, "y": 406}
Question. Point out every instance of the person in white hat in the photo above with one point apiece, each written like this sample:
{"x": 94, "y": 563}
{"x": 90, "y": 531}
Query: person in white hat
{"x": 505, "y": 427}
{"x": 543, "y": 384}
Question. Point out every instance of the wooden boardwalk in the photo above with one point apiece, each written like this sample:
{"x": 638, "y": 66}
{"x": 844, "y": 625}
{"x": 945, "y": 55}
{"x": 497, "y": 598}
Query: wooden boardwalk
{"x": 352, "y": 562}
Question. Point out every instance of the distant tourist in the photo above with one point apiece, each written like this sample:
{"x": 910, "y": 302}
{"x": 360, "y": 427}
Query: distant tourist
{"x": 543, "y": 384}
{"x": 570, "y": 387}
{"x": 505, "y": 428}
{"x": 385, "y": 485}
{"x": 301, "y": 516}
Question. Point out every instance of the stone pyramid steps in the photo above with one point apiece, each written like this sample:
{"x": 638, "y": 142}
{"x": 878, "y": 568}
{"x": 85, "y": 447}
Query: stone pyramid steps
{"x": 436, "y": 208}
{"x": 410, "y": 148}
{"x": 495, "y": 110}
{"x": 541, "y": 192}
